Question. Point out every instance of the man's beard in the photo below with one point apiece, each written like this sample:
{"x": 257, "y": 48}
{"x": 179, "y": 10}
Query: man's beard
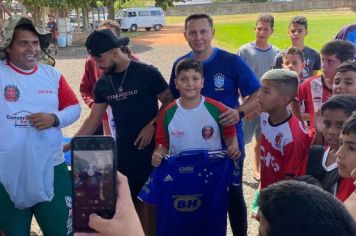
{"x": 111, "y": 69}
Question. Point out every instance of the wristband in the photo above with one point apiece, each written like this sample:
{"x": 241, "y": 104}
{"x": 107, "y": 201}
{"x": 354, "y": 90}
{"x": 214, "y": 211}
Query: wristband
{"x": 56, "y": 120}
{"x": 241, "y": 113}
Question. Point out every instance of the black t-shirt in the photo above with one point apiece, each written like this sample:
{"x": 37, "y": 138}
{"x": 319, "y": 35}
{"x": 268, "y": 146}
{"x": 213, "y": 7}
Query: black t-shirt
{"x": 132, "y": 109}
{"x": 137, "y": 105}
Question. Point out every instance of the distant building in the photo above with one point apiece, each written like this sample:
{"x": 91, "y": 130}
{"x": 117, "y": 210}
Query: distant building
{"x": 190, "y": 2}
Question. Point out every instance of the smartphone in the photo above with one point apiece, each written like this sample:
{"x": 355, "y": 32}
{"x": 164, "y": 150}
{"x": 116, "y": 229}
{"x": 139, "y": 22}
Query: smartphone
{"x": 94, "y": 179}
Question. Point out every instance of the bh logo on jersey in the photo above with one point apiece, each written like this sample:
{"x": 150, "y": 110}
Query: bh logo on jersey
{"x": 11, "y": 93}
{"x": 269, "y": 161}
{"x": 219, "y": 81}
{"x": 187, "y": 203}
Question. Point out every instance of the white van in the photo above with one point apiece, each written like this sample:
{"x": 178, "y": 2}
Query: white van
{"x": 134, "y": 18}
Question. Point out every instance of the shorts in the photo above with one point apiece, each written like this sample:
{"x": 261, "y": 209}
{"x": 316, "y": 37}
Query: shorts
{"x": 54, "y": 41}
{"x": 54, "y": 217}
{"x": 135, "y": 164}
{"x": 251, "y": 128}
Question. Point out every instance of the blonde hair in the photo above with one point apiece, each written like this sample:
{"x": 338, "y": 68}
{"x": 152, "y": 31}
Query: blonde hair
{"x": 110, "y": 24}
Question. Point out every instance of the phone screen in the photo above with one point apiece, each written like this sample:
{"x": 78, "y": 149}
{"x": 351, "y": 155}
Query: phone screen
{"x": 94, "y": 175}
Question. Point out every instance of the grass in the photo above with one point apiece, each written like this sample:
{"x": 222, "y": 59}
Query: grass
{"x": 232, "y": 31}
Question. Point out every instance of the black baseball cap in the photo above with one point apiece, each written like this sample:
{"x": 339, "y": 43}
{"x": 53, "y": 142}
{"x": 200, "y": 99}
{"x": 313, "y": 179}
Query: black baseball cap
{"x": 101, "y": 41}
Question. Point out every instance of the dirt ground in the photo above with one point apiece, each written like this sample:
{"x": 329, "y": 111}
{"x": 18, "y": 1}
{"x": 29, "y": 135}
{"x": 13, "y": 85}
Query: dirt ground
{"x": 159, "y": 49}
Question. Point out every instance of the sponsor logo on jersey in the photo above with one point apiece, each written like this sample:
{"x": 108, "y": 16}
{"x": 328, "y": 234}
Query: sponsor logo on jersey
{"x": 278, "y": 139}
{"x": 11, "y": 93}
{"x": 44, "y": 91}
{"x": 317, "y": 99}
{"x": 207, "y": 132}
{"x": 168, "y": 178}
{"x": 187, "y": 203}
{"x": 186, "y": 169}
{"x": 219, "y": 81}
{"x": 177, "y": 133}
{"x": 316, "y": 86}
{"x": 269, "y": 161}
{"x": 19, "y": 118}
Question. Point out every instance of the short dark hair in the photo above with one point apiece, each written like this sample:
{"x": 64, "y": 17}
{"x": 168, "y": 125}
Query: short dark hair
{"x": 349, "y": 126}
{"x": 344, "y": 102}
{"x": 284, "y": 80}
{"x": 344, "y": 50}
{"x": 189, "y": 64}
{"x": 295, "y": 208}
{"x": 309, "y": 179}
{"x": 197, "y": 17}
{"x": 268, "y": 18}
{"x": 301, "y": 20}
{"x": 346, "y": 66}
{"x": 293, "y": 51}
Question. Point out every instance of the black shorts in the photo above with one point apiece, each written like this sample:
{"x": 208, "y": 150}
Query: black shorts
{"x": 134, "y": 164}
{"x": 54, "y": 41}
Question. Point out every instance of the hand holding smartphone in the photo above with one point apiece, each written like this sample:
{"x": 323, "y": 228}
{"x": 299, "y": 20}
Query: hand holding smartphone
{"x": 94, "y": 179}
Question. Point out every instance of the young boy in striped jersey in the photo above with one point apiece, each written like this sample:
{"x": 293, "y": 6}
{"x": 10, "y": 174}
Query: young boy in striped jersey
{"x": 284, "y": 142}
{"x": 192, "y": 121}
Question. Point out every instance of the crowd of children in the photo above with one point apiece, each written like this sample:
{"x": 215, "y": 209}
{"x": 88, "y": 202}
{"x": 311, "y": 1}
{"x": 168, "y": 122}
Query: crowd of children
{"x": 298, "y": 107}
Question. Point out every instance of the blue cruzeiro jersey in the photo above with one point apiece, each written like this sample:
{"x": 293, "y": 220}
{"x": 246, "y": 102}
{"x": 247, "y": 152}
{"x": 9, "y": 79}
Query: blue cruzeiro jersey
{"x": 190, "y": 192}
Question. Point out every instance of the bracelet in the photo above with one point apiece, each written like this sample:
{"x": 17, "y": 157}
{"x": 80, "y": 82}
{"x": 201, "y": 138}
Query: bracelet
{"x": 56, "y": 120}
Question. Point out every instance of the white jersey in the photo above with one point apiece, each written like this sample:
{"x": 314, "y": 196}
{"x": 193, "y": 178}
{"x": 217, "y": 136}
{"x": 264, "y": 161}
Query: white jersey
{"x": 42, "y": 89}
{"x": 181, "y": 129}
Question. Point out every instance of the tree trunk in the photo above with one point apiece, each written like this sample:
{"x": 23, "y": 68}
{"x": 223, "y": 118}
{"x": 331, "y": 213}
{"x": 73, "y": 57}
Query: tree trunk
{"x": 36, "y": 16}
{"x": 63, "y": 12}
{"x": 85, "y": 19}
{"x": 78, "y": 19}
{"x": 111, "y": 10}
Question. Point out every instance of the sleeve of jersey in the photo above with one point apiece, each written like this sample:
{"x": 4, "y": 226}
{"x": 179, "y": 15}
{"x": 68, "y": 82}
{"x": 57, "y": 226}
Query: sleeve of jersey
{"x": 228, "y": 131}
{"x": 241, "y": 53}
{"x": 69, "y": 108}
{"x": 302, "y": 91}
{"x": 86, "y": 87}
{"x": 161, "y": 130}
{"x": 317, "y": 63}
{"x": 98, "y": 97}
{"x": 277, "y": 63}
{"x": 247, "y": 81}
{"x": 295, "y": 155}
{"x": 148, "y": 193}
{"x": 172, "y": 85}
